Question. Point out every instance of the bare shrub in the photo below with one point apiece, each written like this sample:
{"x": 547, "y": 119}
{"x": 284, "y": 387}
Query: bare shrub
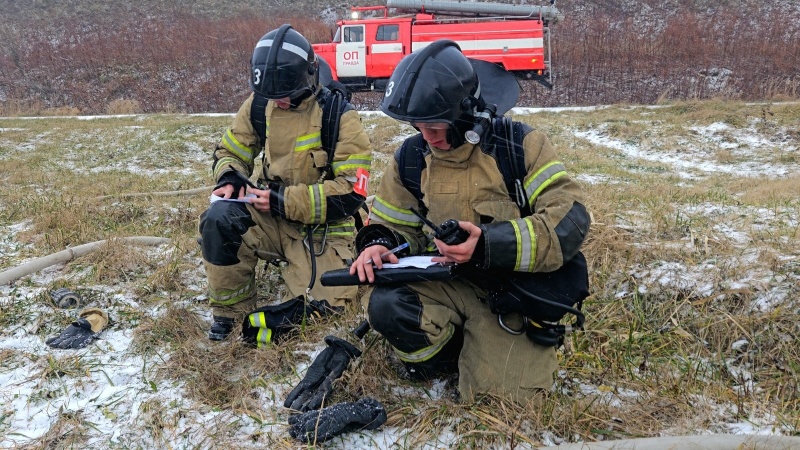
{"x": 61, "y": 111}
{"x": 124, "y": 106}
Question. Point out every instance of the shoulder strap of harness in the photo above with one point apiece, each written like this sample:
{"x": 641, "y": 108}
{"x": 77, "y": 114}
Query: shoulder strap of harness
{"x": 258, "y": 116}
{"x": 505, "y": 145}
{"x": 411, "y": 162}
{"x": 510, "y": 156}
{"x": 334, "y": 104}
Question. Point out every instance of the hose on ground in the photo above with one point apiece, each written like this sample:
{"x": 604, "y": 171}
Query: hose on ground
{"x": 157, "y": 194}
{"x": 68, "y": 255}
{"x": 698, "y": 442}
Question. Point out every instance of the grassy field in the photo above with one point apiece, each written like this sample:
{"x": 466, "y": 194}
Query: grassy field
{"x": 692, "y": 325}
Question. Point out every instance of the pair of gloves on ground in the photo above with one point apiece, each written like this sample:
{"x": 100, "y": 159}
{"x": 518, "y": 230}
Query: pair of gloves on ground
{"x": 267, "y": 325}
{"x": 318, "y": 425}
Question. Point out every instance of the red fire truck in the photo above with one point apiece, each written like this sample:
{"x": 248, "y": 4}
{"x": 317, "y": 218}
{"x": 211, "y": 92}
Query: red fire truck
{"x": 365, "y": 51}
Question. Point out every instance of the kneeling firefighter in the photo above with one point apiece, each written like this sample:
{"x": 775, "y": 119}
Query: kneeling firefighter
{"x": 512, "y": 224}
{"x": 301, "y": 210}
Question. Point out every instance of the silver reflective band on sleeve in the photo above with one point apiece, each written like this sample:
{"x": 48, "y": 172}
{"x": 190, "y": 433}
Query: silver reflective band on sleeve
{"x": 390, "y": 213}
{"x": 542, "y": 178}
{"x": 526, "y": 244}
{"x": 316, "y": 196}
{"x": 353, "y": 162}
{"x": 237, "y": 148}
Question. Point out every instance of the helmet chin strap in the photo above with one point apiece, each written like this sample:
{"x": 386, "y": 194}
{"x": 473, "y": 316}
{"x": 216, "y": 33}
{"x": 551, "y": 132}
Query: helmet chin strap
{"x": 295, "y": 101}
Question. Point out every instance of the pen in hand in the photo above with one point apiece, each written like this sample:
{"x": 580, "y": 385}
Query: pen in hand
{"x": 384, "y": 254}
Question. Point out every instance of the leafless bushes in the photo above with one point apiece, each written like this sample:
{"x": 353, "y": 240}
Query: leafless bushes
{"x": 732, "y": 53}
{"x": 186, "y": 63}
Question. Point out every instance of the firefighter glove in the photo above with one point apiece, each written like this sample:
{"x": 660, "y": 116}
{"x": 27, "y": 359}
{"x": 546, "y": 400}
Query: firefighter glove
{"x": 269, "y": 323}
{"x": 319, "y": 426}
{"x": 234, "y": 178}
{"x": 326, "y": 368}
{"x": 81, "y": 332}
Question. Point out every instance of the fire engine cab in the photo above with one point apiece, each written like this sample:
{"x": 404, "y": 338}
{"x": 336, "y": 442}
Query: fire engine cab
{"x": 365, "y": 51}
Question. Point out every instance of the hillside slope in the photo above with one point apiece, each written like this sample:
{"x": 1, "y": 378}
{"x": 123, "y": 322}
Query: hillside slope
{"x": 90, "y": 57}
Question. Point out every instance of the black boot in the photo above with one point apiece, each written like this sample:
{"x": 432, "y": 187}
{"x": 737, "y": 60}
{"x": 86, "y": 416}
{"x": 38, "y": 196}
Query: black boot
{"x": 221, "y": 328}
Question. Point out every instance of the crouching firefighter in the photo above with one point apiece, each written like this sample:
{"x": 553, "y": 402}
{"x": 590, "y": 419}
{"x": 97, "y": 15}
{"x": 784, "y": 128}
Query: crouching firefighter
{"x": 315, "y": 162}
{"x": 500, "y": 205}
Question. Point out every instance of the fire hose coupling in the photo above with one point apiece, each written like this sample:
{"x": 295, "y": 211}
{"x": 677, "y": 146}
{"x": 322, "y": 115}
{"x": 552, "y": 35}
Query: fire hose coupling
{"x": 66, "y": 298}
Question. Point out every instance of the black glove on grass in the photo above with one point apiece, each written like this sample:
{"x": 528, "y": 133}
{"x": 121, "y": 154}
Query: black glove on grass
{"x": 78, "y": 335}
{"x": 83, "y": 331}
{"x": 318, "y": 382}
{"x": 319, "y": 426}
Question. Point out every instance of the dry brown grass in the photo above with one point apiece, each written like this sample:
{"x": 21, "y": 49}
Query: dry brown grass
{"x": 657, "y": 357}
{"x": 124, "y": 106}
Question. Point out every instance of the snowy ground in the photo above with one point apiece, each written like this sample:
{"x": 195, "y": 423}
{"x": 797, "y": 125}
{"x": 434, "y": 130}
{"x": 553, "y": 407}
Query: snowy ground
{"x": 115, "y": 393}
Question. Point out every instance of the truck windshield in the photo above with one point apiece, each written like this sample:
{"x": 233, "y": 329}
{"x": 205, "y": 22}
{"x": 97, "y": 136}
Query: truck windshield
{"x": 338, "y": 36}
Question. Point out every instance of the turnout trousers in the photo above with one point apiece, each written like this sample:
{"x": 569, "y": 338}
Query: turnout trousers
{"x": 442, "y": 326}
{"x": 236, "y": 236}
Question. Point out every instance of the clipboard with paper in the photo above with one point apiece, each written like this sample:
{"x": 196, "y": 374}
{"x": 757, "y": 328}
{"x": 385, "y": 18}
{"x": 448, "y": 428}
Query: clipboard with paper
{"x": 407, "y": 270}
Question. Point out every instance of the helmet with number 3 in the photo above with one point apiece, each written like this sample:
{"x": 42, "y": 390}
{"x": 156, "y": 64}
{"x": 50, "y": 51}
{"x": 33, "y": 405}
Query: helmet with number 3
{"x": 435, "y": 84}
{"x": 284, "y": 65}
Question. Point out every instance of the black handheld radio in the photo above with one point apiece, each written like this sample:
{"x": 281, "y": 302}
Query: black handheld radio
{"x": 449, "y": 232}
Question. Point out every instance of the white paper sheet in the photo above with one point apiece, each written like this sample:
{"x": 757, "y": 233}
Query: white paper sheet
{"x": 216, "y": 198}
{"x": 411, "y": 261}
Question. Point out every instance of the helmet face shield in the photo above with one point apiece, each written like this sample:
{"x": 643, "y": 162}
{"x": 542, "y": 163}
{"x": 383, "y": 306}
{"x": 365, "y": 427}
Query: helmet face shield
{"x": 283, "y": 65}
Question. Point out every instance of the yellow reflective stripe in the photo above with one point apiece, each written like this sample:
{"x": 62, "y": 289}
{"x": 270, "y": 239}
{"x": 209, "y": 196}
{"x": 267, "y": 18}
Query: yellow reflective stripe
{"x": 543, "y": 178}
{"x": 390, "y": 213}
{"x": 308, "y": 141}
{"x": 353, "y": 162}
{"x": 264, "y": 337}
{"x": 223, "y": 163}
{"x": 427, "y": 352}
{"x": 229, "y": 297}
{"x": 526, "y": 244}
{"x": 316, "y": 194}
{"x": 236, "y": 147}
{"x": 333, "y": 230}
{"x": 341, "y": 233}
{"x": 258, "y": 320}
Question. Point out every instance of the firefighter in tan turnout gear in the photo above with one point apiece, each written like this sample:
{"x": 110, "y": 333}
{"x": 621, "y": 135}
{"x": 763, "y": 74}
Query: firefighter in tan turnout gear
{"x": 301, "y": 210}
{"x": 446, "y": 326}
{"x": 508, "y": 247}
